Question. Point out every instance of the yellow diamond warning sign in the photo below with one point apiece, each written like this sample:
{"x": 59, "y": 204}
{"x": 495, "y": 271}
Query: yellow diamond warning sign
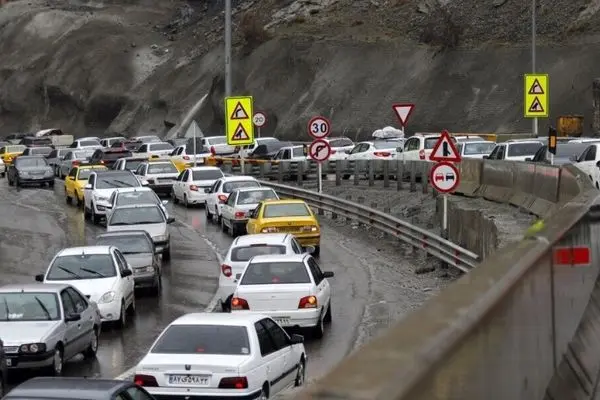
{"x": 239, "y": 128}
{"x": 536, "y": 103}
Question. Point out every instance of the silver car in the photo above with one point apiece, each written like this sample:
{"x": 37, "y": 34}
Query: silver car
{"x": 69, "y": 160}
{"x": 44, "y": 325}
{"x": 139, "y": 251}
{"x": 160, "y": 175}
{"x": 147, "y": 217}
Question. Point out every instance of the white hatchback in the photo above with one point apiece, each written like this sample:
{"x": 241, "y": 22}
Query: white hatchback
{"x": 215, "y": 355}
{"x": 190, "y": 185}
{"x": 291, "y": 289}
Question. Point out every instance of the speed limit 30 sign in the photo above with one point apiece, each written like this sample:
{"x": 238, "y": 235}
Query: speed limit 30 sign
{"x": 319, "y": 127}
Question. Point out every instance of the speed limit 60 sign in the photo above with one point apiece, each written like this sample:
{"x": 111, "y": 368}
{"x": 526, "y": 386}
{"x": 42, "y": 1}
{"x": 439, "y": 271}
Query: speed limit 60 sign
{"x": 319, "y": 127}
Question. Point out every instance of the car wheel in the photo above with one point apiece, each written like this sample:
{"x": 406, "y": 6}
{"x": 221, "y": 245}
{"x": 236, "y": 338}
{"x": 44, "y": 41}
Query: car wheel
{"x": 300, "y": 373}
{"x": 79, "y": 200}
{"x": 319, "y": 329}
{"x": 92, "y": 348}
{"x": 18, "y": 182}
{"x": 264, "y": 394}
{"x": 208, "y": 214}
{"x": 174, "y": 198}
{"x": 68, "y": 199}
{"x": 122, "y": 323}
{"x": 166, "y": 255}
{"x": 217, "y": 218}
{"x": 57, "y": 362}
{"x": 93, "y": 216}
{"x": 317, "y": 251}
{"x": 157, "y": 288}
{"x": 131, "y": 309}
{"x": 185, "y": 201}
{"x": 223, "y": 227}
{"x": 51, "y": 184}
{"x": 328, "y": 316}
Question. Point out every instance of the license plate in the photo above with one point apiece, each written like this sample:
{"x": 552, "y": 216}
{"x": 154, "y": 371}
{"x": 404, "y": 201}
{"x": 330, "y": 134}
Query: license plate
{"x": 189, "y": 380}
{"x": 282, "y": 321}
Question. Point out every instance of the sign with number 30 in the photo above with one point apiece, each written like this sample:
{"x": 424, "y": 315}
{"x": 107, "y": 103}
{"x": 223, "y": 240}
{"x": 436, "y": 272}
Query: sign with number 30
{"x": 319, "y": 127}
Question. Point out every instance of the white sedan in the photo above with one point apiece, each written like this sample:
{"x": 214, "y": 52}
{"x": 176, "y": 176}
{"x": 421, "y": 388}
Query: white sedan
{"x": 240, "y": 204}
{"x": 291, "y": 289}
{"x": 190, "y": 185}
{"x": 219, "y": 193}
{"x": 215, "y": 355}
{"x": 376, "y": 150}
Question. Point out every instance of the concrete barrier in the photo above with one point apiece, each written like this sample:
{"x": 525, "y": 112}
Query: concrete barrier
{"x": 470, "y": 177}
{"x": 497, "y": 181}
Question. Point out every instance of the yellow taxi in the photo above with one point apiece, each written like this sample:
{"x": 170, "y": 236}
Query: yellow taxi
{"x": 8, "y": 153}
{"x": 287, "y": 216}
{"x": 76, "y": 180}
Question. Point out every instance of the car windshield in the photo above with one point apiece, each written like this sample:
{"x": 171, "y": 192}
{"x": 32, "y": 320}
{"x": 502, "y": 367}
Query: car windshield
{"x": 81, "y": 155}
{"x": 29, "y": 306}
{"x": 203, "y": 339}
{"x": 136, "y": 216}
{"x": 430, "y": 142}
{"x": 229, "y": 187}
{"x": 269, "y": 273}
{"x": 86, "y": 143}
{"x": 161, "y": 168}
{"x": 31, "y": 162}
{"x": 141, "y": 197}
{"x": 41, "y": 151}
{"x": 478, "y": 148}
{"x": 245, "y": 253}
{"x": 207, "y": 175}
{"x": 81, "y": 266}
{"x": 127, "y": 244}
{"x": 216, "y": 140}
{"x": 385, "y": 145}
{"x": 15, "y": 149}
{"x": 298, "y": 152}
{"x": 570, "y": 149}
{"x": 161, "y": 146}
{"x": 255, "y": 196}
{"x": 61, "y": 152}
{"x": 286, "y": 210}
{"x": 132, "y": 165}
{"x": 85, "y": 173}
{"x": 110, "y": 181}
{"x": 115, "y": 155}
{"x": 523, "y": 149}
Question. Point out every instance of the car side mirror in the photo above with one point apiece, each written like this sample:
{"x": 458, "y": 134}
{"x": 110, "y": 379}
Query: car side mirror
{"x": 207, "y": 190}
{"x": 39, "y": 278}
{"x": 72, "y": 317}
{"x": 529, "y": 159}
{"x": 144, "y": 182}
{"x": 170, "y": 220}
{"x": 328, "y": 274}
{"x": 126, "y": 273}
{"x": 165, "y": 202}
{"x": 88, "y": 186}
{"x": 309, "y": 249}
{"x": 296, "y": 339}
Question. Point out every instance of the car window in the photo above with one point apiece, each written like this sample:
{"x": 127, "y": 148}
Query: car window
{"x": 267, "y": 346}
{"x": 286, "y": 210}
{"x": 161, "y": 146}
{"x": 143, "y": 148}
{"x": 523, "y": 149}
{"x": 161, "y": 168}
{"x": 84, "y": 173}
{"x": 315, "y": 271}
{"x": 134, "y": 244}
{"x": 136, "y": 393}
{"x": 385, "y": 145}
{"x": 122, "y": 396}
{"x": 136, "y": 215}
{"x": 67, "y": 303}
{"x": 31, "y": 162}
{"x": 29, "y": 306}
{"x": 141, "y": 197}
{"x": 132, "y": 165}
{"x": 79, "y": 302}
{"x": 477, "y": 148}
{"x": 73, "y": 172}
{"x": 245, "y": 253}
{"x": 81, "y": 266}
{"x": 269, "y": 273}
{"x": 256, "y": 196}
{"x": 217, "y": 140}
{"x": 203, "y": 339}
{"x": 278, "y": 335}
{"x": 89, "y": 143}
{"x": 229, "y": 187}
{"x": 206, "y": 174}
{"x": 591, "y": 154}
{"x": 430, "y": 142}
{"x": 296, "y": 246}
{"x": 231, "y": 199}
{"x": 122, "y": 263}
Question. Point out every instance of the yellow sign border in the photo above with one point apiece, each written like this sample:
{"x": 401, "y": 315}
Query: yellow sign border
{"x": 231, "y": 125}
{"x": 544, "y": 99}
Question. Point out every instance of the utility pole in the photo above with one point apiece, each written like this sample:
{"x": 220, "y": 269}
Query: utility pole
{"x": 227, "y": 48}
{"x": 533, "y": 66}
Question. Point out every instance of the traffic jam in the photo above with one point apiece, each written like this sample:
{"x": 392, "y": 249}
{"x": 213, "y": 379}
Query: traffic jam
{"x": 272, "y": 289}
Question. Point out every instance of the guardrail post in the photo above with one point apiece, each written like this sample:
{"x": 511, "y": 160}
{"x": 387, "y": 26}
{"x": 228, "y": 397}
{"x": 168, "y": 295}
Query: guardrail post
{"x": 261, "y": 170}
{"x": 349, "y": 198}
{"x": 227, "y": 168}
{"x": 320, "y": 211}
{"x": 371, "y": 172}
{"x": 360, "y": 200}
{"x": 386, "y": 174}
{"x": 356, "y": 172}
{"x": 424, "y": 177}
{"x": 338, "y": 172}
{"x": 413, "y": 176}
{"x": 280, "y": 175}
{"x": 299, "y": 173}
{"x": 388, "y": 211}
{"x": 399, "y": 174}
{"x": 333, "y": 215}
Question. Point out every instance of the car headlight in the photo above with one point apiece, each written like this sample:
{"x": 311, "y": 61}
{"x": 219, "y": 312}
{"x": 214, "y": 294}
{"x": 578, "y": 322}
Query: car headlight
{"x": 100, "y": 198}
{"x": 161, "y": 238}
{"x": 49, "y": 172}
{"x": 23, "y": 173}
{"x": 270, "y": 229}
{"x": 107, "y": 297}
{"x": 310, "y": 228}
{"x": 32, "y": 348}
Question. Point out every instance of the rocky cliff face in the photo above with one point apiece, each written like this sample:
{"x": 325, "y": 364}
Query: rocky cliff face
{"x": 138, "y": 66}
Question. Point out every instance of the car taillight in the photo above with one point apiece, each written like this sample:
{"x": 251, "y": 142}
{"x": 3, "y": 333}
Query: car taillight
{"x": 222, "y": 198}
{"x": 308, "y": 302}
{"x": 145, "y": 380}
{"x": 382, "y": 154}
{"x": 194, "y": 188}
{"x": 238, "y": 303}
{"x": 101, "y": 161}
{"x": 234, "y": 382}
{"x": 75, "y": 163}
{"x": 186, "y": 157}
{"x": 421, "y": 154}
{"x": 240, "y": 214}
{"x": 212, "y": 150}
{"x": 226, "y": 270}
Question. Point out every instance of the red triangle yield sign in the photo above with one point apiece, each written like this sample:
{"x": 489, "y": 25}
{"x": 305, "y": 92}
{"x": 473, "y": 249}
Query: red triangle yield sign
{"x": 403, "y": 112}
{"x": 445, "y": 149}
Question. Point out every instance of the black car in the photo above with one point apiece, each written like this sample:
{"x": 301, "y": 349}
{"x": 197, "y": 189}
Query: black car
{"x": 55, "y": 388}
{"x": 566, "y": 153}
{"x": 108, "y": 157}
{"x": 267, "y": 151}
{"x": 30, "y": 170}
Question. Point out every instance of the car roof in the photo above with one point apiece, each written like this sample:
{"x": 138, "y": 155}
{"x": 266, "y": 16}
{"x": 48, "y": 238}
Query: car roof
{"x": 279, "y": 258}
{"x": 116, "y": 172}
{"x": 28, "y": 157}
{"x": 476, "y": 141}
{"x": 214, "y": 137}
{"x": 33, "y": 287}
{"x": 123, "y": 233}
{"x": 134, "y": 189}
{"x": 74, "y": 251}
{"x": 231, "y": 319}
{"x": 91, "y": 166}
{"x": 268, "y": 238}
{"x": 68, "y": 388}
{"x": 134, "y": 158}
{"x": 207, "y": 168}
{"x": 285, "y": 201}
{"x": 238, "y": 178}
{"x": 252, "y": 189}
{"x": 522, "y": 141}
{"x": 140, "y": 205}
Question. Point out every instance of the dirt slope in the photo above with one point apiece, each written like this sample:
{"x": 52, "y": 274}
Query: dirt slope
{"x": 138, "y": 66}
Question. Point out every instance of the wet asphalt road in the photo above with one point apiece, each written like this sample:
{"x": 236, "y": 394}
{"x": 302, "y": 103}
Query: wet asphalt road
{"x": 35, "y": 223}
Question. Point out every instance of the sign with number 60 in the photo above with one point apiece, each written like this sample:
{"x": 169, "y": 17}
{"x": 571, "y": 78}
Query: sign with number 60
{"x": 319, "y": 127}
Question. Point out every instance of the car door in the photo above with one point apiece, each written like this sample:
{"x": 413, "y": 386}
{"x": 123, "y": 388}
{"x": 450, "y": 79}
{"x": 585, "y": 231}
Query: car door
{"x": 126, "y": 284}
{"x": 229, "y": 207}
{"x": 211, "y": 200}
{"x": 287, "y": 366}
{"x": 72, "y": 328}
{"x": 323, "y": 288}
{"x": 82, "y": 307}
{"x": 184, "y": 185}
{"x": 588, "y": 160}
{"x": 88, "y": 189}
{"x": 178, "y": 185}
{"x": 271, "y": 360}
{"x": 70, "y": 182}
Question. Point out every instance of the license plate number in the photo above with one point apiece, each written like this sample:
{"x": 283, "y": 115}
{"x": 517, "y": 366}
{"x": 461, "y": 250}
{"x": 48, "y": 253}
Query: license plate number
{"x": 282, "y": 321}
{"x": 191, "y": 380}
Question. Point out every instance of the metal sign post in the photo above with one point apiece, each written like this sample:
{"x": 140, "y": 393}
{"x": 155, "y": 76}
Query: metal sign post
{"x": 319, "y": 150}
{"x": 259, "y": 119}
{"x": 444, "y": 177}
{"x": 194, "y": 136}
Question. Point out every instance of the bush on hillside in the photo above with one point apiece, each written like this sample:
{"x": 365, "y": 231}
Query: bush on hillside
{"x": 441, "y": 30}
{"x": 253, "y": 31}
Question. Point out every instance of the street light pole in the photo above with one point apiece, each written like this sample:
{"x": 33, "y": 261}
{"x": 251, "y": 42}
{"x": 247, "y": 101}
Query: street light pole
{"x": 533, "y": 66}
{"x": 227, "y": 48}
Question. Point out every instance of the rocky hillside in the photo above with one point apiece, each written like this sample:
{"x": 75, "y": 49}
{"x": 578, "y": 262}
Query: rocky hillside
{"x": 138, "y": 66}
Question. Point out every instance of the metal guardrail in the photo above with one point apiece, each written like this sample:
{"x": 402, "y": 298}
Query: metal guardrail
{"x": 442, "y": 249}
